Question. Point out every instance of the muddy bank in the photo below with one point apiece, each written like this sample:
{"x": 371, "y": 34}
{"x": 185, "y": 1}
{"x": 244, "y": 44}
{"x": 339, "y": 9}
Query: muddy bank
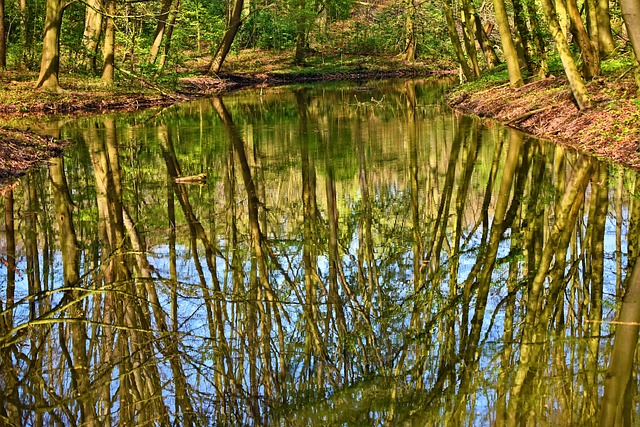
{"x": 610, "y": 130}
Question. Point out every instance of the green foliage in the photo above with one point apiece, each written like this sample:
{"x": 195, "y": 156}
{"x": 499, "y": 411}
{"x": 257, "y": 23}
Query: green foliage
{"x": 268, "y": 29}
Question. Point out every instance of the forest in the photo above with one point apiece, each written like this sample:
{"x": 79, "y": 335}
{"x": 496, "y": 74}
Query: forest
{"x": 153, "y": 41}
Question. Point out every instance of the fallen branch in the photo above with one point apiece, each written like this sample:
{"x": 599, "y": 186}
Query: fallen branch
{"x": 150, "y": 85}
{"x": 529, "y": 114}
{"x": 193, "y": 179}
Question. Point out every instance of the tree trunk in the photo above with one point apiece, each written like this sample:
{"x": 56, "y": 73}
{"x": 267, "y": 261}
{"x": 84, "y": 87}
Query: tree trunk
{"x": 409, "y": 53}
{"x": 455, "y": 41}
{"x": 605, "y": 37}
{"x": 571, "y": 70}
{"x": 486, "y": 44}
{"x": 631, "y": 16}
{"x": 589, "y": 54}
{"x": 169, "y": 33}
{"x": 109, "y": 48}
{"x": 160, "y": 28}
{"x": 510, "y": 54}
{"x": 468, "y": 35}
{"x": 227, "y": 39}
{"x": 92, "y": 30}
{"x": 50, "y": 64}
{"x": 522, "y": 30}
{"x": 3, "y": 41}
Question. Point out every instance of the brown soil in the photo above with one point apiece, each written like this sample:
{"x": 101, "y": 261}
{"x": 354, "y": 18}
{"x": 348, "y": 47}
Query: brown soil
{"x": 610, "y": 130}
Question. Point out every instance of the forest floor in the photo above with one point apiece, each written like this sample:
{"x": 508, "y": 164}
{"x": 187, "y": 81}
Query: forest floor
{"x": 544, "y": 107}
{"x": 609, "y": 130}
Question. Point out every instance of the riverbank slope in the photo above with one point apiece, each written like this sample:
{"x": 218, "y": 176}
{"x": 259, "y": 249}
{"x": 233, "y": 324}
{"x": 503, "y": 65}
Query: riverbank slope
{"x": 545, "y": 108}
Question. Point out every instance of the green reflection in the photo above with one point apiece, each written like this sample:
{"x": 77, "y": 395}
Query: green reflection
{"x": 358, "y": 255}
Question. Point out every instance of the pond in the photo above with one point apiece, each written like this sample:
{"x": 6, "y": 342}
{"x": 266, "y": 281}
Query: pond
{"x": 351, "y": 254}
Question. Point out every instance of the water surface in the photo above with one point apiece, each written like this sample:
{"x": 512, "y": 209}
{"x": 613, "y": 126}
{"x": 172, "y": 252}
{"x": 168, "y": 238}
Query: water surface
{"x": 358, "y": 254}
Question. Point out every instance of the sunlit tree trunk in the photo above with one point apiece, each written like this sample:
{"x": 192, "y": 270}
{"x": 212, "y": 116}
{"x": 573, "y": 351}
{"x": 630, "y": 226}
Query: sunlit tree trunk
{"x": 50, "y": 63}
{"x": 523, "y": 32}
{"x": 508, "y": 47}
{"x": 468, "y": 35}
{"x": 160, "y": 29}
{"x": 486, "y": 44}
{"x": 410, "y": 37}
{"x": 589, "y": 52}
{"x": 605, "y": 36}
{"x": 571, "y": 70}
{"x": 3, "y": 41}
{"x": 109, "y": 47}
{"x": 169, "y": 34}
{"x": 227, "y": 40}
{"x": 631, "y": 16}
{"x": 92, "y": 31}
{"x": 455, "y": 41}
{"x": 538, "y": 37}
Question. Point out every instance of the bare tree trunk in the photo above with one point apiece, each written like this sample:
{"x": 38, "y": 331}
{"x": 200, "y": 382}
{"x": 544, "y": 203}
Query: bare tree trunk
{"x": 169, "y": 33}
{"x": 92, "y": 30}
{"x": 109, "y": 48}
{"x": 605, "y": 37}
{"x": 227, "y": 39}
{"x": 510, "y": 54}
{"x": 589, "y": 53}
{"x": 631, "y": 16}
{"x": 571, "y": 70}
{"x": 50, "y": 63}
{"x": 409, "y": 53}
{"x": 160, "y": 28}
{"x": 455, "y": 41}
{"x": 486, "y": 44}
{"x": 468, "y": 35}
{"x": 3, "y": 41}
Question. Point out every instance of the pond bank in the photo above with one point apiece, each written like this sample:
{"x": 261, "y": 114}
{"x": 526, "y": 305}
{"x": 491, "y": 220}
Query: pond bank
{"x": 22, "y": 150}
{"x": 544, "y": 108}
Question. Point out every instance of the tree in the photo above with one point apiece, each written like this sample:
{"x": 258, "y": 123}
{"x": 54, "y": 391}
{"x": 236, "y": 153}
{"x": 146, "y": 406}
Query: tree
{"x": 109, "y": 47}
{"x": 605, "y": 37}
{"x": 410, "y": 50}
{"x": 92, "y": 30}
{"x": 510, "y": 54}
{"x": 455, "y": 41}
{"x": 227, "y": 40}
{"x": 50, "y": 63}
{"x": 631, "y": 16}
{"x": 3, "y": 41}
{"x": 160, "y": 29}
{"x": 571, "y": 70}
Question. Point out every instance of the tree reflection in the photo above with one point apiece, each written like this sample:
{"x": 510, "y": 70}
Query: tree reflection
{"x": 345, "y": 263}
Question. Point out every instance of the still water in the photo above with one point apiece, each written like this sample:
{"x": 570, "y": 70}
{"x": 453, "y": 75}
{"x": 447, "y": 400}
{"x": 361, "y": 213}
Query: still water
{"x": 358, "y": 255}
